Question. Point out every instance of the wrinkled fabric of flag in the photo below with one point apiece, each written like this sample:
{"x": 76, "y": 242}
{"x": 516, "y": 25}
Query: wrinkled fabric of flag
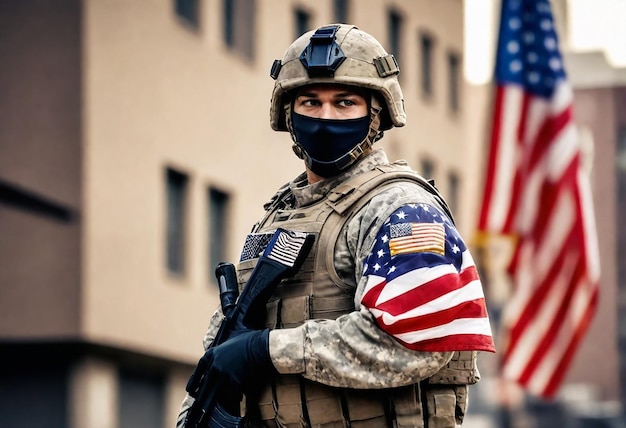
{"x": 537, "y": 193}
{"x": 422, "y": 284}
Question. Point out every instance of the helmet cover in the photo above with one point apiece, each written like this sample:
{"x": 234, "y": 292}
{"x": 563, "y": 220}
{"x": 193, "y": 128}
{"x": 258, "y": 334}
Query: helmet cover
{"x": 337, "y": 54}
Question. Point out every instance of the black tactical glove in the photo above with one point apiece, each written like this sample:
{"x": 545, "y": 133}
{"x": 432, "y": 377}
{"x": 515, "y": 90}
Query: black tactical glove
{"x": 243, "y": 358}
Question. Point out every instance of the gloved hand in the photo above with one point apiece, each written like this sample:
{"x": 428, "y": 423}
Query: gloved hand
{"x": 243, "y": 357}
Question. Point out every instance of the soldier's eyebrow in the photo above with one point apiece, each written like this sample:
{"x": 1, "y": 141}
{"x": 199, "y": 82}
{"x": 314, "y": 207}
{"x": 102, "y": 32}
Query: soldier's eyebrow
{"x": 348, "y": 93}
{"x": 342, "y": 94}
{"x": 308, "y": 94}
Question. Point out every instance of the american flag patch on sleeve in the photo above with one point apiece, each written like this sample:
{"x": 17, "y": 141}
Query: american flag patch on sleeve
{"x": 408, "y": 238}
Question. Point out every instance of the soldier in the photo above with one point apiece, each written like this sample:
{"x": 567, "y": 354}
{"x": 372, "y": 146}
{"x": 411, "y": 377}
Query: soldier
{"x": 382, "y": 325}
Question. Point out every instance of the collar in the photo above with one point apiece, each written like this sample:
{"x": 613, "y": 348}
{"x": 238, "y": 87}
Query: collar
{"x": 307, "y": 194}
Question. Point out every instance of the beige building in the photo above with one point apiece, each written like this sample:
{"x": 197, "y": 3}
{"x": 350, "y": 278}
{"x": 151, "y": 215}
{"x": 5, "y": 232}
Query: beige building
{"x": 136, "y": 152}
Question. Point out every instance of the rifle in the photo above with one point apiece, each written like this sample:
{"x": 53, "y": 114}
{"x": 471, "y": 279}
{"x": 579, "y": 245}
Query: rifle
{"x": 215, "y": 405}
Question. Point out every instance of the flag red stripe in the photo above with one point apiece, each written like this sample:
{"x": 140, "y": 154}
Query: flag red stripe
{"x": 427, "y": 292}
{"x": 454, "y": 342}
{"x": 520, "y": 172}
{"x": 470, "y": 309}
{"x": 491, "y": 163}
{"x": 369, "y": 299}
{"x": 550, "y": 129}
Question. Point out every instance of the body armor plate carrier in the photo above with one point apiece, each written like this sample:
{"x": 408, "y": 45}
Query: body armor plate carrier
{"x": 318, "y": 292}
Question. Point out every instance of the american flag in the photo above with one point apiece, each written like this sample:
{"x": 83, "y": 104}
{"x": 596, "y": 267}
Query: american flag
{"x": 537, "y": 193}
{"x": 426, "y": 293}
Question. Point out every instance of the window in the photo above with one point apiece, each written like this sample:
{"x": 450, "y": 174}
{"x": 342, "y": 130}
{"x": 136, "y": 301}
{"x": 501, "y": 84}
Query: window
{"x": 176, "y": 213}
{"x": 340, "y": 11}
{"x": 394, "y": 20}
{"x": 454, "y": 81}
{"x": 239, "y": 26}
{"x": 428, "y": 169}
{"x": 426, "y": 55}
{"x": 302, "y": 21}
{"x": 452, "y": 198}
{"x": 141, "y": 399}
{"x": 218, "y": 225}
{"x": 188, "y": 10}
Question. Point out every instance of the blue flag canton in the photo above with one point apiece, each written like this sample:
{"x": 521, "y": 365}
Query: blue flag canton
{"x": 528, "y": 51}
{"x": 380, "y": 261}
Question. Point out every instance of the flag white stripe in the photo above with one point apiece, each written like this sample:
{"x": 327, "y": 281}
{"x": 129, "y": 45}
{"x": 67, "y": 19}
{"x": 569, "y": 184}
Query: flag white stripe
{"x": 562, "y": 152}
{"x": 415, "y": 278}
{"x": 535, "y": 117}
{"x": 589, "y": 227}
{"x": 459, "y": 326}
{"x": 471, "y": 291}
{"x": 412, "y": 280}
{"x": 506, "y": 163}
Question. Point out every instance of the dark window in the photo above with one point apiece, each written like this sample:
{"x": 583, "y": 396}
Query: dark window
{"x": 218, "y": 225}
{"x": 452, "y": 198}
{"x": 141, "y": 400}
{"x": 28, "y": 378}
{"x": 340, "y": 11}
{"x": 454, "y": 81}
{"x": 302, "y": 21}
{"x": 176, "y": 213}
{"x": 188, "y": 10}
{"x": 395, "y": 35}
{"x": 428, "y": 169}
{"x": 426, "y": 55}
{"x": 239, "y": 26}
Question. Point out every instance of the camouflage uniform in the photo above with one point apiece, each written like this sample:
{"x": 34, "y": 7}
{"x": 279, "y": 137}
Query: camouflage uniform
{"x": 337, "y": 367}
{"x": 351, "y": 353}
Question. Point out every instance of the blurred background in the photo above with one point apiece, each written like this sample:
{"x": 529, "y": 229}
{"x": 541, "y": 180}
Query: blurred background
{"x": 136, "y": 154}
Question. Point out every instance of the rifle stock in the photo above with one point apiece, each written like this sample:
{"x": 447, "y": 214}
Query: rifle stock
{"x": 214, "y": 405}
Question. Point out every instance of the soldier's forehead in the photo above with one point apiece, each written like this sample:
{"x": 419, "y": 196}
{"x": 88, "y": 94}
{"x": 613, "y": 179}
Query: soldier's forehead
{"x": 332, "y": 86}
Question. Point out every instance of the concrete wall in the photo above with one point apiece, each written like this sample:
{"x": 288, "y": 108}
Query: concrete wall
{"x": 40, "y": 168}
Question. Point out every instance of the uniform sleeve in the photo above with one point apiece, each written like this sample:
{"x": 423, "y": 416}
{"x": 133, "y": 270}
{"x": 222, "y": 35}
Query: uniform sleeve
{"x": 351, "y": 352}
{"x": 422, "y": 284}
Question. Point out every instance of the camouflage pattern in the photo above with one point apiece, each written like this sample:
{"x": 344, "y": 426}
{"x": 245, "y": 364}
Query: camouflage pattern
{"x": 327, "y": 354}
{"x": 358, "y": 69}
{"x": 352, "y": 351}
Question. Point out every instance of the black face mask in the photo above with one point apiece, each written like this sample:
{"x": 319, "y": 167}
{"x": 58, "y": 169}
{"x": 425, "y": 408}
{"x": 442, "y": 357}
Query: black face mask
{"x": 327, "y": 142}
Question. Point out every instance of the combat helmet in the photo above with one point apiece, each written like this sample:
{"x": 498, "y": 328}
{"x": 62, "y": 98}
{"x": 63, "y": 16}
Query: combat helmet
{"x": 337, "y": 54}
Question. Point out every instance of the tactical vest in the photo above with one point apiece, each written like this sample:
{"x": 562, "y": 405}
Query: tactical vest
{"x": 318, "y": 292}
